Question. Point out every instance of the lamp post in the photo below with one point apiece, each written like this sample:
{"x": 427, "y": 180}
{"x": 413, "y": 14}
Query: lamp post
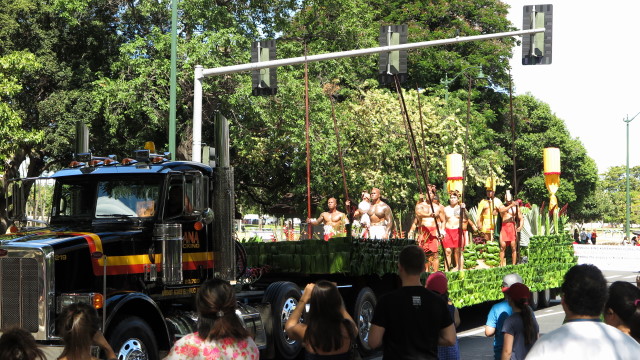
{"x": 628, "y": 215}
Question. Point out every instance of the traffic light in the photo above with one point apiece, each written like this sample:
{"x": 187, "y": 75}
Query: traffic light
{"x": 264, "y": 80}
{"x": 393, "y": 62}
{"x": 536, "y": 48}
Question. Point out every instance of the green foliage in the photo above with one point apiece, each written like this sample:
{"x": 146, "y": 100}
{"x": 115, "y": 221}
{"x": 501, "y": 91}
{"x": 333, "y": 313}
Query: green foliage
{"x": 538, "y": 128}
{"x": 432, "y": 20}
{"x": 106, "y": 63}
{"x": 339, "y": 255}
{"x": 12, "y": 68}
{"x": 549, "y": 259}
{"x": 611, "y": 195}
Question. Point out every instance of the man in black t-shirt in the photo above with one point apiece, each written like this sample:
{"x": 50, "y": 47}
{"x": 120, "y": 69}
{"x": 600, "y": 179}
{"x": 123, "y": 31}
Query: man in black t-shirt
{"x": 412, "y": 321}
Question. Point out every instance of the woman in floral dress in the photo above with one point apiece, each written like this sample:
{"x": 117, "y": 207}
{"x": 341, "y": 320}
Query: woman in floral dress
{"x": 220, "y": 335}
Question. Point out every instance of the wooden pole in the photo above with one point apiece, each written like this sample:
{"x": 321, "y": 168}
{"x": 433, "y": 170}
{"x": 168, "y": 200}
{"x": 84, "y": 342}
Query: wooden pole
{"x": 424, "y": 139}
{"x": 412, "y": 145}
{"x": 344, "y": 175}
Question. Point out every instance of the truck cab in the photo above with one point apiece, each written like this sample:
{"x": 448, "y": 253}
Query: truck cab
{"x": 134, "y": 238}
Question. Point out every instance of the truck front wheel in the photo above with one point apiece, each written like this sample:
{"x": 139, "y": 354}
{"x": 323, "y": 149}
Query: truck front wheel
{"x": 133, "y": 339}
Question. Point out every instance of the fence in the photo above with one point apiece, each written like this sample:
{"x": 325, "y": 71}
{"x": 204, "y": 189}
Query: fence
{"x": 609, "y": 257}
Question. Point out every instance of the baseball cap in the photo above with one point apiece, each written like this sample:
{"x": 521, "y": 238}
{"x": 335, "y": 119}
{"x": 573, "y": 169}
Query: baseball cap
{"x": 509, "y": 280}
{"x": 518, "y": 292}
{"x": 437, "y": 282}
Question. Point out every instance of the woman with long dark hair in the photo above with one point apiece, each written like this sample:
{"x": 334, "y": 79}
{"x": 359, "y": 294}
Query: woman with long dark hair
{"x": 622, "y": 309}
{"x": 221, "y": 334}
{"x": 79, "y": 327}
{"x": 521, "y": 328}
{"x": 18, "y": 344}
{"x": 328, "y": 330}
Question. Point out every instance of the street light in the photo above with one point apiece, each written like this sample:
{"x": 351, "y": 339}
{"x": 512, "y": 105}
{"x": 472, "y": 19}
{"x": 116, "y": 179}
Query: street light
{"x": 627, "y": 224}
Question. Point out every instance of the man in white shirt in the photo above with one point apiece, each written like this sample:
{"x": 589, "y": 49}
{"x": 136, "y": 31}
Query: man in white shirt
{"x": 583, "y": 335}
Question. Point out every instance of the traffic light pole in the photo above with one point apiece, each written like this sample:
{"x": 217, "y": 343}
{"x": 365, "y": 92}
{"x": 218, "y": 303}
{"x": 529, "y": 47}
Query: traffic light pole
{"x": 201, "y": 73}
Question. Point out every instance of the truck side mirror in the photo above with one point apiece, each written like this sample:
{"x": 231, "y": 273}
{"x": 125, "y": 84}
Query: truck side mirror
{"x": 18, "y": 201}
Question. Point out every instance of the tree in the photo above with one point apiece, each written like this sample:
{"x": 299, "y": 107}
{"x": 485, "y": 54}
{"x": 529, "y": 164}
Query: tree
{"x": 15, "y": 137}
{"x": 538, "y": 128}
{"x": 596, "y": 207}
{"x": 613, "y": 191}
{"x": 106, "y": 63}
{"x": 440, "y": 19}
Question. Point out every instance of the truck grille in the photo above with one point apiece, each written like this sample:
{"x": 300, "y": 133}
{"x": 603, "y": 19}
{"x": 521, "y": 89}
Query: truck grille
{"x": 19, "y": 292}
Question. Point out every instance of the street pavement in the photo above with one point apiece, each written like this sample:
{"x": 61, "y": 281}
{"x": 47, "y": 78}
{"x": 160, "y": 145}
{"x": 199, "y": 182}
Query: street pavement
{"x": 475, "y": 346}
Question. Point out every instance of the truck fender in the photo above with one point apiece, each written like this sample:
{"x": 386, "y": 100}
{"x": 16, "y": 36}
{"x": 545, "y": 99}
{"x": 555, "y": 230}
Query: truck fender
{"x": 143, "y": 306}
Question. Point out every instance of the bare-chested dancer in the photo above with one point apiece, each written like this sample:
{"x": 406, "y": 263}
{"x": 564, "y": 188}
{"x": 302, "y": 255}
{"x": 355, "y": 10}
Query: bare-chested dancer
{"x": 508, "y": 232}
{"x": 451, "y": 241}
{"x": 334, "y": 220}
{"x": 380, "y": 217}
{"x": 427, "y": 230}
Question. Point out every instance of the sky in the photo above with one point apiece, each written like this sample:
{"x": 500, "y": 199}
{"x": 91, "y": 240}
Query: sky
{"x": 592, "y": 83}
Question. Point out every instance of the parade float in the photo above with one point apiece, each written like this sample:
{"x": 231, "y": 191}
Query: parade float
{"x": 546, "y": 253}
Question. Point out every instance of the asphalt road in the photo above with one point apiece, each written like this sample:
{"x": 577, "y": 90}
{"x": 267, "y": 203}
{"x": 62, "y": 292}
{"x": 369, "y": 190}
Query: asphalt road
{"x": 474, "y": 345}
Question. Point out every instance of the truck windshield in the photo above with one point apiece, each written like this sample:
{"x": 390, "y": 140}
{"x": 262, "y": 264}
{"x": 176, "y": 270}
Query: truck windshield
{"x": 105, "y": 198}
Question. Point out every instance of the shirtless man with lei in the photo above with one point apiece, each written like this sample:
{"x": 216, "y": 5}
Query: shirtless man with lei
{"x": 334, "y": 221}
{"x": 511, "y": 216}
{"x": 426, "y": 224}
{"x": 451, "y": 241}
{"x": 380, "y": 219}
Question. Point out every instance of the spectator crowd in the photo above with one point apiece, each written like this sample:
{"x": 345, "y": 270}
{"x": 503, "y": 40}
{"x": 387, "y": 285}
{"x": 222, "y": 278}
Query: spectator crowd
{"x": 412, "y": 322}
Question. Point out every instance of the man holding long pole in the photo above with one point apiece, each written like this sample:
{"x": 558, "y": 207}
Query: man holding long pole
{"x": 428, "y": 224}
{"x": 511, "y": 217}
{"x": 456, "y": 222}
{"x": 487, "y": 210}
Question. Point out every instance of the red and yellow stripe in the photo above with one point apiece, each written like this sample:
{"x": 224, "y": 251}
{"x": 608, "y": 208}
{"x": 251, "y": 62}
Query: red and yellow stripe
{"x": 135, "y": 264}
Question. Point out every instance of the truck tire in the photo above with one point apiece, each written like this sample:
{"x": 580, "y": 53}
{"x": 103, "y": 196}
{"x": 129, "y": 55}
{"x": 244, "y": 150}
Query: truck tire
{"x": 284, "y": 297}
{"x": 534, "y": 302}
{"x": 133, "y": 339}
{"x": 545, "y": 298}
{"x": 362, "y": 315}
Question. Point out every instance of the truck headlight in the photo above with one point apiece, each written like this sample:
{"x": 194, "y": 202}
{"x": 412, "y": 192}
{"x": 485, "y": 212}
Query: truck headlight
{"x": 94, "y": 299}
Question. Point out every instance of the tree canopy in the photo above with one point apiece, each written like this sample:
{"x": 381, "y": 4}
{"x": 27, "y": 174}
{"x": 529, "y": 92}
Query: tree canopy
{"x": 538, "y": 128}
{"x": 612, "y": 193}
{"x": 106, "y": 63}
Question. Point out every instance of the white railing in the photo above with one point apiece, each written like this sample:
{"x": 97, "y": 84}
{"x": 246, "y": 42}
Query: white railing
{"x": 609, "y": 257}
